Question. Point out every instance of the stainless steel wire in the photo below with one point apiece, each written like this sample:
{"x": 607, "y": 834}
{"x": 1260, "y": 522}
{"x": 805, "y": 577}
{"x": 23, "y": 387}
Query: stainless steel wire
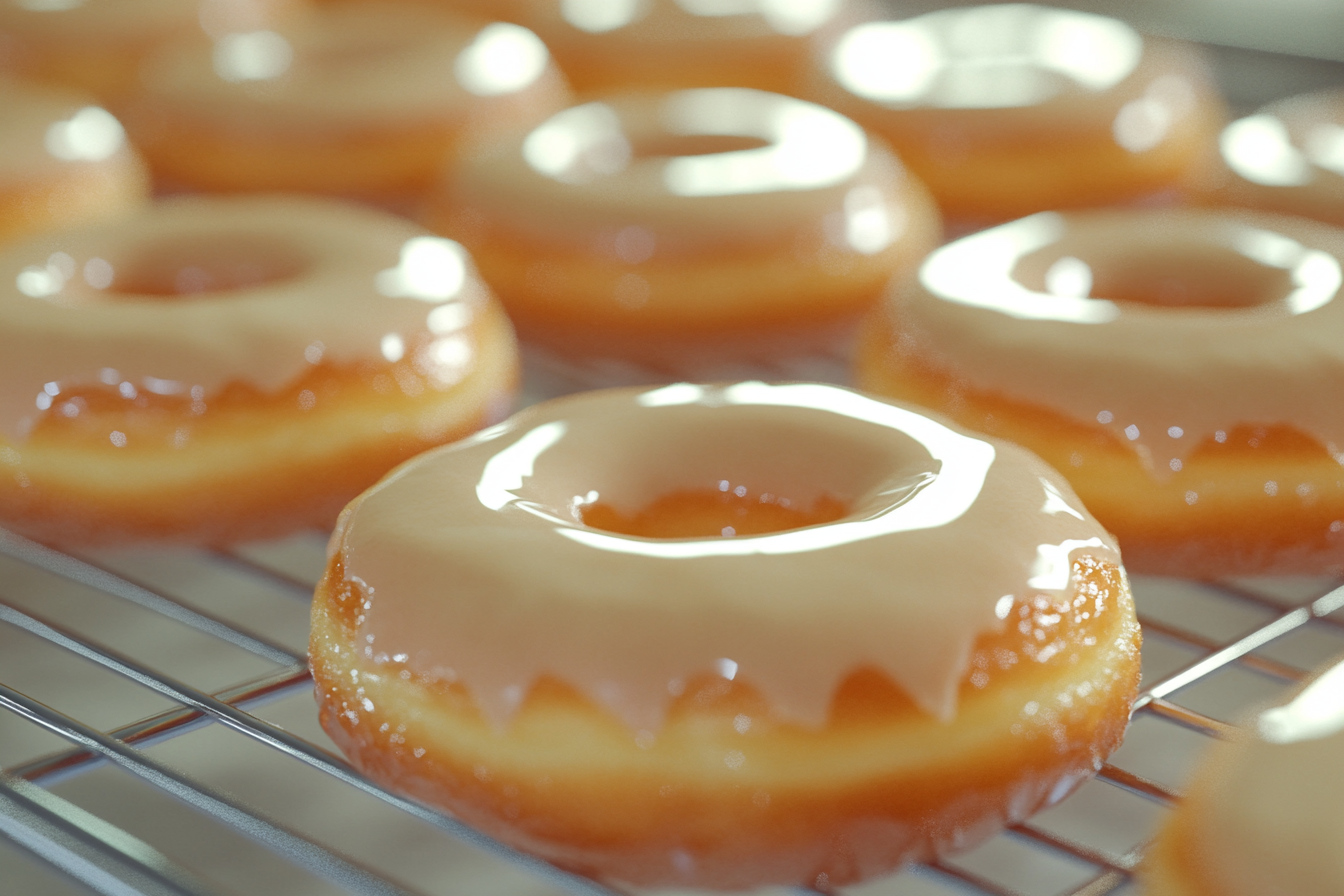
{"x": 100, "y": 859}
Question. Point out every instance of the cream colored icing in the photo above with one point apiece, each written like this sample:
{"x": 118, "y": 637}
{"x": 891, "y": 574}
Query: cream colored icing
{"x": 975, "y": 76}
{"x": 581, "y": 175}
{"x": 353, "y": 65}
{"x": 1289, "y": 156}
{"x": 1009, "y": 311}
{"x": 476, "y": 567}
{"x": 46, "y": 131}
{"x": 1271, "y": 818}
{"x": 358, "y": 284}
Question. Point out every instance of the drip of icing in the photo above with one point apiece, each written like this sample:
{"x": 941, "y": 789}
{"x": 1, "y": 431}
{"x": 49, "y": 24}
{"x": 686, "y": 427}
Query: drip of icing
{"x": 477, "y": 568}
{"x": 366, "y": 286}
{"x": 1272, "y": 822}
{"x": 1163, "y": 379}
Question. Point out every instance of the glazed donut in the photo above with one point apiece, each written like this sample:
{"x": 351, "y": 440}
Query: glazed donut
{"x": 1288, "y": 157}
{"x": 671, "y": 44}
{"x": 686, "y": 232}
{"x": 1178, "y": 366}
{"x": 358, "y": 99}
{"x": 97, "y": 46}
{"x": 726, "y": 636}
{"x": 63, "y": 162}
{"x": 1011, "y": 109}
{"x": 1263, "y": 814}
{"x": 212, "y": 370}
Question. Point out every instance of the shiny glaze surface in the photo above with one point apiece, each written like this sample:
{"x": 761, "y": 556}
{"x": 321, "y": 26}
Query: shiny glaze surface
{"x": 45, "y": 132}
{"x": 350, "y": 65}
{"x": 603, "y": 45}
{"x": 193, "y": 295}
{"x": 1266, "y": 817}
{"x": 985, "y": 99}
{"x": 1287, "y": 157}
{"x": 456, "y": 553}
{"x": 1169, "y": 329}
{"x": 634, "y": 176}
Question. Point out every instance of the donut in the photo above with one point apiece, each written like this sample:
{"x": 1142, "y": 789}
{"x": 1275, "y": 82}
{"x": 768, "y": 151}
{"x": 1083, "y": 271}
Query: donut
{"x": 359, "y": 99}
{"x": 670, "y": 44}
{"x": 1262, "y": 815}
{"x": 1011, "y": 109}
{"x": 98, "y": 46}
{"x": 684, "y": 232}
{"x": 217, "y": 369}
{"x": 1287, "y": 157}
{"x": 63, "y": 161}
{"x": 725, "y": 636}
{"x": 1177, "y": 366}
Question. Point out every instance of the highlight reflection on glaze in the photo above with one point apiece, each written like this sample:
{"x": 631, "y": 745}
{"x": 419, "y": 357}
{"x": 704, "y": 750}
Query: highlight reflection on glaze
{"x": 337, "y": 284}
{"x": 1164, "y": 379}
{"x": 808, "y": 147}
{"x": 985, "y": 57}
{"x": 918, "y": 494}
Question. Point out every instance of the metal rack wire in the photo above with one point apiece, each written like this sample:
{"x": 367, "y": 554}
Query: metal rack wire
{"x": 109, "y": 859}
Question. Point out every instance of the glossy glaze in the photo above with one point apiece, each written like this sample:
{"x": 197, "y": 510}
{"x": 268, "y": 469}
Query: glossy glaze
{"x": 1287, "y": 157}
{"x": 603, "y": 45}
{"x": 1015, "y": 108}
{"x": 1265, "y": 816}
{"x": 63, "y": 161}
{"x": 631, "y": 619}
{"x": 195, "y": 294}
{"x": 1023, "y": 311}
{"x": 686, "y": 232}
{"x": 98, "y": 45}
{"x": 355, "y": 98}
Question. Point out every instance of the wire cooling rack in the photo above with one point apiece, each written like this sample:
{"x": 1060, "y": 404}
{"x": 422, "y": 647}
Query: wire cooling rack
{"x": 177, "y": 678}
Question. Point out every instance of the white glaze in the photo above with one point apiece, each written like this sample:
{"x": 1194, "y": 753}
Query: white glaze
{"x": 1287, "y": 157}
{"x": 368, "y": 283}
{"x": 1270, "y": 817}
{"x": 580, "y": 175}
{"x": 1163, "y": 379}
{"x": 47, "y": 132}
{"x": 476, "y": 566}
{"x": 351, "y": 66}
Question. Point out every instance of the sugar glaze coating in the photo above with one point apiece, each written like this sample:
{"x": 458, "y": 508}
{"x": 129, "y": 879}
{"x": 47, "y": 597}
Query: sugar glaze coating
{"x": 500, "y": 513}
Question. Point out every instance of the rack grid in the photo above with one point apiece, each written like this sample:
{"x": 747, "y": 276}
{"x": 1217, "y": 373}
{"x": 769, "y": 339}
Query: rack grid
{"x": 1196, "y": 634}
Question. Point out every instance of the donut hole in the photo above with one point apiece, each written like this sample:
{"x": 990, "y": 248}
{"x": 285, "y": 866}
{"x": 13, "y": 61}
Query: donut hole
{"x": 663, "y": 145}
{"x": 1162, "y": 276}
{"x": 200, "y": 265}
{"x": 682, "y": 473}
{"x": 704, "y": 513}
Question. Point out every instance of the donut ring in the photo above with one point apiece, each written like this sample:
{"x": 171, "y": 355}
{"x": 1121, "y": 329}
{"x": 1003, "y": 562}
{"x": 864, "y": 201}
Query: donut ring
{"x": 1171, "y": 363}
{"x": 63, "y": 162}
{"x": 1011, "y": 109}
{"x": 356, "y": 99}
{"x": 672, "y": 44}
{"x": 1287, "y": 157}
{"x": 212, "y": 370}
{"x": 688, "y": 231}
{"x": 1262, "y": 814}
{"x": 654, "y": 704}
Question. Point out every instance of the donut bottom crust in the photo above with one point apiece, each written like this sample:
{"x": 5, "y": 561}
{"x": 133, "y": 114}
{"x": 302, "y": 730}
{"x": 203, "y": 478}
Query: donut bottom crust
{"x": 250, "y": 467}
{"x": 1218, "y": 516}
{"x": 724, "y": 795}
{"x": 796, "y": 295}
